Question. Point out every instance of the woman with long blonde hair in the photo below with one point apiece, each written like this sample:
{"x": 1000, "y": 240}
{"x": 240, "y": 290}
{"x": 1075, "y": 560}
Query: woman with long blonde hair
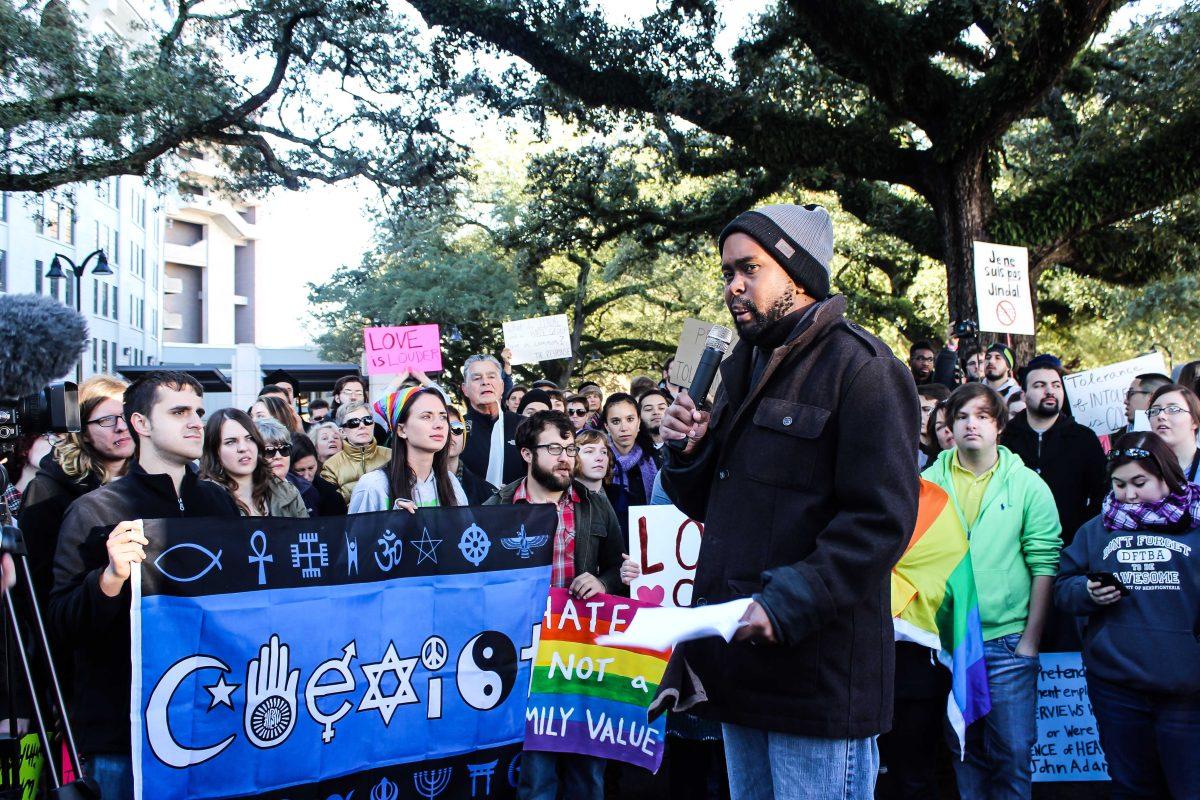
{"x": 80, "y": 462}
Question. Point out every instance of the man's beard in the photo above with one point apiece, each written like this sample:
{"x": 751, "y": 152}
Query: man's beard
{"x": 549, "y": 479}
{"x": 991, "y": 376}
{"x": 1043, "y": 411}
{"x": 759, "y": 320}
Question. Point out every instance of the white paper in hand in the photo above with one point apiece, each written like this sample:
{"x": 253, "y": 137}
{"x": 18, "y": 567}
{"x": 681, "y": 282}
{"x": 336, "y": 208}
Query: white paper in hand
{"x": 661, "y": 628}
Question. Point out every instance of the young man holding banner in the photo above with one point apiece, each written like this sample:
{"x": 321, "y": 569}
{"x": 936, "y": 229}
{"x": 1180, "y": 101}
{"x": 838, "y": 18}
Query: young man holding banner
{"x": 587, "y": 560}
{"x": 100, "y": 542}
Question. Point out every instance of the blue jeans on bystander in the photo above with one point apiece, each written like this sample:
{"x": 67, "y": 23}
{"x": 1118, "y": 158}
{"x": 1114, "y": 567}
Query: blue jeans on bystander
{"x": 767, "y": 765}
{"x": 997, "y": 765}
{"x": 582, "y": 776}
{"x": 1151, "y": 742}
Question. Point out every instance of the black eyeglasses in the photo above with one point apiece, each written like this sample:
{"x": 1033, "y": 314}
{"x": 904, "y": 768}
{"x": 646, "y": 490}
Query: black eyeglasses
{"x": 109, "y": 421}
{"x": 558, "y": 449}
{"x": 281, "y": 450}
{"x": 357, "y": 422}
{"x": 457, "y": 428}
{"x": 577, "y": 412}
{"x": 1128, "y": 452}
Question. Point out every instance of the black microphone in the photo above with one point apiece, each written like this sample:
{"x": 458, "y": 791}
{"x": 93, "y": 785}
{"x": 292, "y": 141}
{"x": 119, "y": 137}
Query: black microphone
{"x": 40, "y": 341}
{"x": 715, "y": 348}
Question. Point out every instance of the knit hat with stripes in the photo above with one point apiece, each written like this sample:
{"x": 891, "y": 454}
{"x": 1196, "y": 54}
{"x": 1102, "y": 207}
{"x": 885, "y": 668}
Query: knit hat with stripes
{"x": 800, "y": 238}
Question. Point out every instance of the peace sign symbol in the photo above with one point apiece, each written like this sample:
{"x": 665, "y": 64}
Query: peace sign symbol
{"x": 434, "y": 652}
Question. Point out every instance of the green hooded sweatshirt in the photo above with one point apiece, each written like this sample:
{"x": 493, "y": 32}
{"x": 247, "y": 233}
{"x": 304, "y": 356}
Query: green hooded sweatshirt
{"x": 1016, "y": 537}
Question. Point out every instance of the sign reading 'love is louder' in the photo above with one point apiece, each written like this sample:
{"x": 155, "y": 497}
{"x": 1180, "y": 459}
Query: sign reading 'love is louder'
{"x": 667, "y": 545}
{"x": 393, "y": 350}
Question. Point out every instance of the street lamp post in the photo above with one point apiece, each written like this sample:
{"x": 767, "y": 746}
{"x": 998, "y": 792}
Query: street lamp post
{"x": 56, "y": 271}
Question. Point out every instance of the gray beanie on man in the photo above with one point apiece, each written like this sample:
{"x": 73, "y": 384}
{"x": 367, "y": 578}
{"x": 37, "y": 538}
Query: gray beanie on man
{"x": 800, "y": 238}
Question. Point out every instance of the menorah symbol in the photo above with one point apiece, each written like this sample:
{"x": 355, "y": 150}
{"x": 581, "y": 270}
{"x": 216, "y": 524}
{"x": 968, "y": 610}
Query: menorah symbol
{"x": 432, "y": 782}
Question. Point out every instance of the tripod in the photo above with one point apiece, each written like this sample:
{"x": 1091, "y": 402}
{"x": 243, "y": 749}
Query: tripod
{"x": 13, "y": 543}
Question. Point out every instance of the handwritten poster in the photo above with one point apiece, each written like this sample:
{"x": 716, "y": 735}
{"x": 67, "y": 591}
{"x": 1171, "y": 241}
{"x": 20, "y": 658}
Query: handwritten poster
{"x": 1068, "y": 742}
{"x": 592, "y": 698}
{"x": 538, "y": 339}
{"x": 687, "y": 355}
{"x": 1002, "y": 288}
{"x": 667, "y": 545}
{"x": 392, "y": 350}
{"x": 1097, "y": 396}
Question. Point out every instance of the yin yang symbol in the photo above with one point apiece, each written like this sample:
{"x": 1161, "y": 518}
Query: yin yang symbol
{"x": 487, "y": 670}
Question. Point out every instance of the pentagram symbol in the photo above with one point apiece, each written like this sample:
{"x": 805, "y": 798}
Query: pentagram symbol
{"x": 426, "y": 547}
{"x": 474, "y": 545}
{"x": 374, "y": 699}
{"x": 271, "y": 718}
{"x": 434, "y": 653}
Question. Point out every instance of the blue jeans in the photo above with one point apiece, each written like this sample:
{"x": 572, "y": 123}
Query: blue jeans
{"x": 113, "y": 774}
{"x": 1151, "y": 742}
{"x": 582, "y": 776}
{"x": 997, "y": 765}
{"x": 767, "y": 765}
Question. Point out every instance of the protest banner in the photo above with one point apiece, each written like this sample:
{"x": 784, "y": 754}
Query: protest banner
{"x": 1097, "y": 396}
{"x": 392, "y": 350}
{"x": 1068, "y": 741}
{"x": 589, "y": 698}
{"x": 687, "y": 355}
{"x": 374, "y": 655}
{"x": 1002, "y": 288}
{"x": 538, "y": 339}
{"x": 667, "y": 545}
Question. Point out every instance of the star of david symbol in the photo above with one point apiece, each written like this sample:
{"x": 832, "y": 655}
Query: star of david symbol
{"x": 374, "y": 699}
{"x": 221, "y": 692}
{"x": 426, "y": 547}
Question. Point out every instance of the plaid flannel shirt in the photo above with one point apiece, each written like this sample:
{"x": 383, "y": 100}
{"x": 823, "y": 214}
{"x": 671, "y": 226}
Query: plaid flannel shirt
{"x": 562, "y": 567}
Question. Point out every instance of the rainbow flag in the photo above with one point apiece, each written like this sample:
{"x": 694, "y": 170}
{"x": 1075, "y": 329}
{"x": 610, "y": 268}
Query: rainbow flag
{"x": 593, "y": 699}
{"x": 934, "y": 604}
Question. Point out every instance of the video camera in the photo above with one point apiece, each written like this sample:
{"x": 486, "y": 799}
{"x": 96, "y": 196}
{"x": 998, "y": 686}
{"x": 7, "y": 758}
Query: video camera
{"x": 55, "y": 409}
{"x": 966, "y": 329}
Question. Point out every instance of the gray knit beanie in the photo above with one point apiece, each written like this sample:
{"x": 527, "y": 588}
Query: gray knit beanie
{"x": 800, "y": 238}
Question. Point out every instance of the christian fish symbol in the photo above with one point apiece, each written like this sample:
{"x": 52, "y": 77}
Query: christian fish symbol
{"x": 214, "y": 560}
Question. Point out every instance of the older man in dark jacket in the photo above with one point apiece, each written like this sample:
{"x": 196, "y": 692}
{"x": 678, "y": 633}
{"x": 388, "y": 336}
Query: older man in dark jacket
{"x": 804, "y": 477}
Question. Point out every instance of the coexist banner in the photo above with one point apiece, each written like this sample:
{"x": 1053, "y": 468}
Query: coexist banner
{"x": 380, "y": 656}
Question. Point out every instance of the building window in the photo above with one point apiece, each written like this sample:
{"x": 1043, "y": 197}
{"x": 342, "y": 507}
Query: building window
{"x": 104, "y": 356}
{"x": 3, "y": 271}
{"x": 115, "y": 314}
{"x": 154, "y": 322}
{"x": 95, "y": 296}
{"x": 138, "y": 209}
{"x": 38, "y": 278}
{"x": 3, "y": 206}
{"x": 104, "y": 305}
{"x": 114, "y": 358}
{"x": 95, "y": 348}
{"x": 57, "y": 221}
{"x": 70, "y": 301}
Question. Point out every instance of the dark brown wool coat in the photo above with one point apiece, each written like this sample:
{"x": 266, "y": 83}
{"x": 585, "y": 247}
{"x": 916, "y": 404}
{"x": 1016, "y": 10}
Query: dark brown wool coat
{"x": 807, "y": 486}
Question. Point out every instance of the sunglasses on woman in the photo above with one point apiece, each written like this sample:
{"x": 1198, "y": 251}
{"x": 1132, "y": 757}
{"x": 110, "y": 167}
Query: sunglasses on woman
{"x": 281, "y": 450}
{"x": 457, "y": 428}
{"x": 357, "y": 422}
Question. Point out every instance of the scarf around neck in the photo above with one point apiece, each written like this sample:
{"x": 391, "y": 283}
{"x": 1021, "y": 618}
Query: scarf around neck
{"x": 1174, "y": 513}
{"x": 626, "y": 463}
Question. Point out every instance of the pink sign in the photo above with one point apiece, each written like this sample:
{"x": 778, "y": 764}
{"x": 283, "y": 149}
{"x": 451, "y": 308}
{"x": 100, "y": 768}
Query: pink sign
{"x": 391, "y": 350}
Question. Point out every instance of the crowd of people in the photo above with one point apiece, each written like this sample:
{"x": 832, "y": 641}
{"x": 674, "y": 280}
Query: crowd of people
{"x": 804, "y": 472}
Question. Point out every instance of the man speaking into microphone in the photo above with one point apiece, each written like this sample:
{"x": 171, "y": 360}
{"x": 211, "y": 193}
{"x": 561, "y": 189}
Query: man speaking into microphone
{"x": 805, "y": 478}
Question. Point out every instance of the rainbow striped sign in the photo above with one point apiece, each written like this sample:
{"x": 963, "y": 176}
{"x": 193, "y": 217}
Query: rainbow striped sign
{"x": 590, "y": 699}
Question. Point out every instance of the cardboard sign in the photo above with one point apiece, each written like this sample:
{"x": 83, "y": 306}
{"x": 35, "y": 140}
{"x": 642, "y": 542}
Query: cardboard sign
{"x": 1068, "y": 742}
{"x": 1097, "y": 396}
{"x": 1002, "y": 288}
{"x": 591, "y": 698}
{"x": 392, "y": 350}
{"x": 687, "y": 356}
{"x": 538, "y": 339}
{"x": 667, "y": 545}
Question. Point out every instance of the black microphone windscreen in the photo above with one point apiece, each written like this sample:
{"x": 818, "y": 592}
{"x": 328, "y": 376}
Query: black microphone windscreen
{"x": 40, "y": 341}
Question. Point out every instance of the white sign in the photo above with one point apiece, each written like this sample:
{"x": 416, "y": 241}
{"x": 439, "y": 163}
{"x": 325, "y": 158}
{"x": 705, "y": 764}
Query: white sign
{"x": 1002, "y": 288}
{"x": 667, "y": 545}
{"x": 687, "y": 356}
{"x": 538, "y": 339}
{"x": 1097, "y": 396}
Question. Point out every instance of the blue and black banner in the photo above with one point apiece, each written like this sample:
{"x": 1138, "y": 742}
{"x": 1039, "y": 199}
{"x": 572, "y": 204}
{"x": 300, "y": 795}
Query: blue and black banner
{"x": 368, "y": 657}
